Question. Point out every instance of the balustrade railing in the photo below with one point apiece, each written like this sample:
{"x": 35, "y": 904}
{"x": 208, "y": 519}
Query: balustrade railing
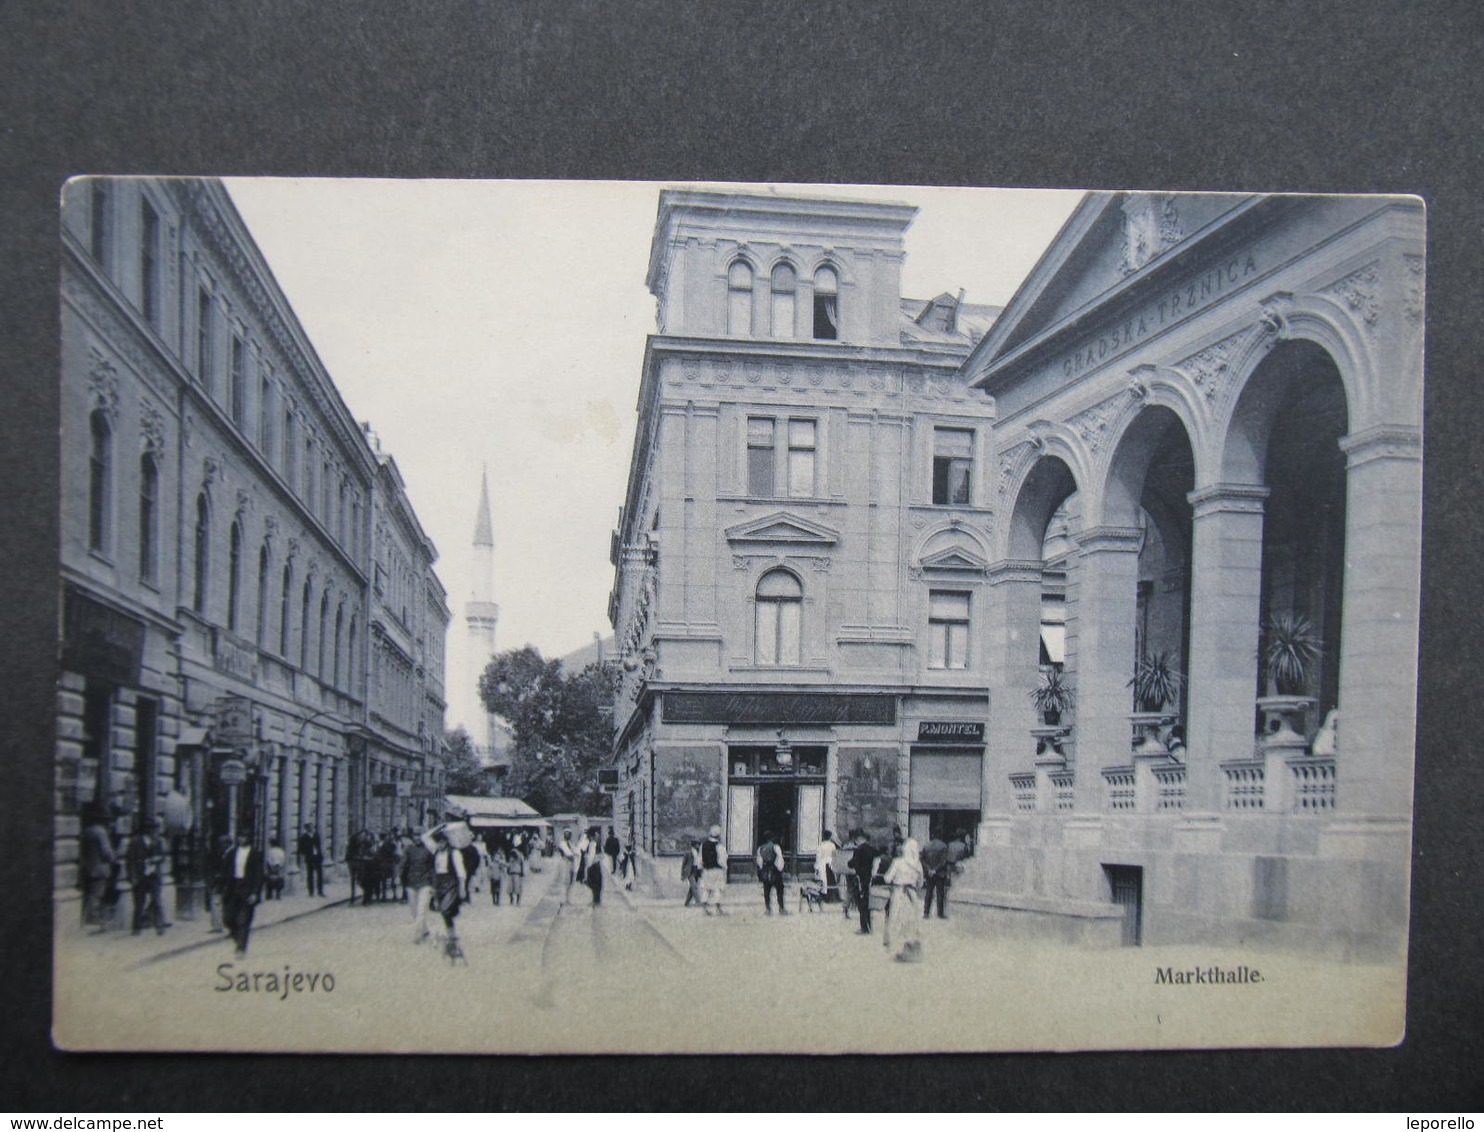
{"x": 1119, "y": 783}
{"x": 1244, "y": 784}
{"x": 1313, "y": 785}
{"x": 1170, "y": 787}
{"x": 1062, "y": 783}
{"x": 1023, "y": 786}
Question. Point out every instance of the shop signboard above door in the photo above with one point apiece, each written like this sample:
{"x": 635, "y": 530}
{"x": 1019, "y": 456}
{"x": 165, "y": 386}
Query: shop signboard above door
{"x": 778, "y": 707}
{"x": 952, "y": 730}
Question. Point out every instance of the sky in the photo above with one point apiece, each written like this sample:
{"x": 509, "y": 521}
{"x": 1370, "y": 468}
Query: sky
{"x": 500, "y": 326}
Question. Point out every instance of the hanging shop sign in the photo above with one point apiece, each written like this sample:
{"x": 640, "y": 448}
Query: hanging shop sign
{"x": 233, "y": 772}
{"x": 391, "y": 790}
{"x": 233, "y": 723}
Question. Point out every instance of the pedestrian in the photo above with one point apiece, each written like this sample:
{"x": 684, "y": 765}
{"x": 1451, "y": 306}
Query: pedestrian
{"x": 448, "y": 883}
{"x": 713, "y": 871}
{"x": 497, "y": 872}
{"x": 935, "y": 869}
{"x": 628, "y": 866}
{"x": 312, "y": 861}
{"x": 242, "y": 873}
{"x": 902, "y": 917}
{"x": 569, "y": 864}
{"x": 770, "y": 871}
{"x": 515, "y": 876}
{"x": 592, "y": 867}
{"x": 417, "y": 881}
{"x": 97, "y": 864}
{"x": 216, "y": 882}
{"x": 388, "y": 866}
{"x": 471, "y": 869}
{"x": 274, "y": 866}
{"x": 144, "y": 863}
{"x": 611, "y": 849}
{"x": 690, "y": 872}
{"x": 824, "y": 866}
{"x": 862, "y": 869}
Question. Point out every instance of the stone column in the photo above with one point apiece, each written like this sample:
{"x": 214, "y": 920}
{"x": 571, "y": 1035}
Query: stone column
{"x": 1100, "y": 648}
{"x": 1012, "y": 654}
{"x": 1378, "y": 649}
{"x": 1225, "y": 603}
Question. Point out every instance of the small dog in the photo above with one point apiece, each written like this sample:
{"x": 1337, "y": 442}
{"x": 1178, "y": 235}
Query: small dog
{"x": 812, "y": 895}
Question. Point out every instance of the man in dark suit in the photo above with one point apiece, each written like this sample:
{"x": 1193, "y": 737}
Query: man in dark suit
{"x": 312, "y": 861}
{"x": 242, "y": 874}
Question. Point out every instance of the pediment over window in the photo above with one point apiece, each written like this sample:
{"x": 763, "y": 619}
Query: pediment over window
{"x": 955, "y": 558}
{"x": 783, "y": 528}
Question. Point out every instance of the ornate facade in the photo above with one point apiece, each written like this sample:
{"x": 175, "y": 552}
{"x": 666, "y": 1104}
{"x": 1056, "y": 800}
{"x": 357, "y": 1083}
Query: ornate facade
{"x": 217, "y": 539}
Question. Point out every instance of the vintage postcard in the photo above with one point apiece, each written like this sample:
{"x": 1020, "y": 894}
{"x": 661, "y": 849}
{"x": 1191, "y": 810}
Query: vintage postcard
{"x": 524, "y": 617}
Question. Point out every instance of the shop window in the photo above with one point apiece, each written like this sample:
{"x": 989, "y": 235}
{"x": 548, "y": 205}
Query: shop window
{"x": 234, "y": 575}
{"x": 780, "y": 604}
{"x": 784, "y": 285}
{"x": 149, "y": 262}
{"x": 739, "y": 299}
{"x": 203, "y": 553}
{"x": 149, "y": 505}
{"x": 953, "y": 464}
{"x": 100, "y": 481}
{"x": 826, "y": 304}
{"x": 948, "y": 629}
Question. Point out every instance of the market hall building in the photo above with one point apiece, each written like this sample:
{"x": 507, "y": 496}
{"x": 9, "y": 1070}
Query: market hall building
{"x": 1191, "y": 444}
{"x": 227, "y": 617}
{"x": 804, "y": 540}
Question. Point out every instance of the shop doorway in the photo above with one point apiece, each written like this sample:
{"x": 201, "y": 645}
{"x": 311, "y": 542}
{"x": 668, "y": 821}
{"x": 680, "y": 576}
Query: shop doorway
{"x": 777, "y": 803}
{"x": 1127, "y": 884}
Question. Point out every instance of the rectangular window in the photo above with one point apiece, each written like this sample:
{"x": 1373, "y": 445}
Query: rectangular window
{"x": 289, "y": 448}
{"x": 948, "y": 629}
{"x": 953, "y": 464}
{"x": 801, "y": 449}
{"x": 238, "y": 391}
{"x": 203, "y": 336}
{"x": 265, "y": 415}
{"x": 100, "y": 235}
{"x": 149, "y": 262}
{"x": 761, "y": 478}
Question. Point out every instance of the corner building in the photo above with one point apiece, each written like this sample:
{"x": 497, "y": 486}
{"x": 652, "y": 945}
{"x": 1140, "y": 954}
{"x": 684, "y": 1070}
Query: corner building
{"x": 216, "y": 545}
{"x": 800, "y": 560}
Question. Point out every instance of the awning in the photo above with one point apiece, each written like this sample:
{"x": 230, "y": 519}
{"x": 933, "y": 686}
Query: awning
{"x": 1054, "y": 641}
{"x": 489, "y": 821}
{"x": 192, "y": 737}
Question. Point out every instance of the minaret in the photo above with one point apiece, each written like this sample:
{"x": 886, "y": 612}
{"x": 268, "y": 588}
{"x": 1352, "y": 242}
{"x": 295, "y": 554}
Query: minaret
{"x": 481, "y": 614}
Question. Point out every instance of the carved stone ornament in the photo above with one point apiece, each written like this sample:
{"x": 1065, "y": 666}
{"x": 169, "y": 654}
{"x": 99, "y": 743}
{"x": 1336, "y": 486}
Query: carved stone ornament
{"x": 103, "y": 382}
{"x": 151, "y": 427}
{"x": 293, "y": 550}
{"x": 1413, "y": 298}
{"x": 1358, "y": 291}
{"x": 210, "y": 468}
{"x": 270, "y": 525}
{"x": 1151, "y": 224}
{"x": 244, "y": 503}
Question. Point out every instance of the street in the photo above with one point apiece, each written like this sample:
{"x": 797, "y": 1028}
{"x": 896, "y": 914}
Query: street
{"x": 643, "y": 975}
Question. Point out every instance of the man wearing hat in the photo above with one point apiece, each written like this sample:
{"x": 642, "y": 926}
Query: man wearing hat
{"x": 713, "y": 871}
{"x": 144, "y": 863}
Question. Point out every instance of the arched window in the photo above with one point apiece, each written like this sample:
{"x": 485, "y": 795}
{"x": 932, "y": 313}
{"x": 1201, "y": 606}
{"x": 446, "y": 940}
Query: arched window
{"x": 826, "y": 303}
{"x": 203, "y": 553}
{"x": 784, "y": 283}
{"x": 262, "y": 627}
{"x": 283, "y": 610}
{"x": 339, "y": 625}
{"x": 324, "y": 623}
{"x": 739, "y": 299}
{"x": 234, "y": 575}
{"x": 350, "y": 656}
{"x": 149, "y": 505}
{"x": 780, "y": 605}
{"x": 304, "y": 628}
{"x": 100, "y": 482}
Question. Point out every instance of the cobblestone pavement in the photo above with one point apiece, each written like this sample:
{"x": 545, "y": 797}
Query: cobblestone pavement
{"x": 646, "y": 975}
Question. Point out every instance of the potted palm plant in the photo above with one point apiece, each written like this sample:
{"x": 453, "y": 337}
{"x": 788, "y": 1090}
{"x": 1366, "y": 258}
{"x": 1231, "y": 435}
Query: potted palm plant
{"x": 1156, "y": 682}
{"x": 1290, "y": 648}
{"x": 1053, "y": 698}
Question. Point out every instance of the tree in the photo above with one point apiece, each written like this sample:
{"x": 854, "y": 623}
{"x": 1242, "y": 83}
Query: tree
{"x": 463, "y": 773}
{"x": 562, "y": 726}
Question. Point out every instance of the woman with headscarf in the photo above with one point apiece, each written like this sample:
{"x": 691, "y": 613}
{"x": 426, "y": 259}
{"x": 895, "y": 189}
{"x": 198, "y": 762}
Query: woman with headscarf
{"x": 905, "y": 912}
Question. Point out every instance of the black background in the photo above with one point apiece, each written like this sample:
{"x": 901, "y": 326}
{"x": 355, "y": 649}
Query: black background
{"x": 1303, "y": 96}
